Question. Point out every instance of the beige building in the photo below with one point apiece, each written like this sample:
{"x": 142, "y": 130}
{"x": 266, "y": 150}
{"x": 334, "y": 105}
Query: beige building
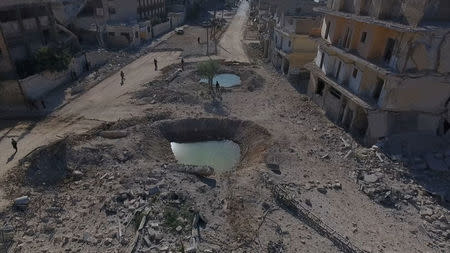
{"x": 119, "y": 23}
{"x": 287, "y": 29}
{"x": 25, "y": 27}
{"x": 382, "y": 67}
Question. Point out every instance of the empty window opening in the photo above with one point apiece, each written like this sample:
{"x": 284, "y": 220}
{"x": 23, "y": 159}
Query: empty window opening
{"x": 111, "y": 34}
{"x": 136, "y": 35}
{"x": 320, "y": 87}
{"x": 355, "y": 72}
{"x": 348, "y": 119}
{"x": 338, "y": 69}
{"x": 378, "y": 88}
{"x": 289, "y": 44}
{"x": 446, "y": 126}
{"x": 363, "y": 37}
{"x": 327, "y": 30}
{"x": 347, "y": 38}
{"x": 335, "y": 93}
{"x": 322, "y": 58}
{"x": 389, "y": 50}
{"x": 112, "y": 11}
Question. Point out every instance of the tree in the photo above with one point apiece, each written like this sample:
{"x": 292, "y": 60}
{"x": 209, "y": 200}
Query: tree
{"x": 52, "y": 59}
{"x": 208, "y": 70}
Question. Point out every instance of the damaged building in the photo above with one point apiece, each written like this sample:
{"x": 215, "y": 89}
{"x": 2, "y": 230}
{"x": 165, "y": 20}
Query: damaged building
{"x": 287, "y": 32}
{"x": 25, "y": 27}
{"x": 382, "y": 67}
{"x": 122, "y": 23}
{"x": 294, "y": 34}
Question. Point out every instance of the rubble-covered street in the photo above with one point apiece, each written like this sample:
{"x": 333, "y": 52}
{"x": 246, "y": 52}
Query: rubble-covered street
{"x": 122, "y": 189}
{"x": 100, "y": 174}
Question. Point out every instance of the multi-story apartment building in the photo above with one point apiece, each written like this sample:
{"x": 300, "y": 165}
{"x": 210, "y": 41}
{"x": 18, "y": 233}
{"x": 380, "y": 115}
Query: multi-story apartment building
{"x": 286, "y": 31}
{"x": 25, "y": 27}
{"x": 382, "y": 66}
{"x": 293, "y": 37}
{"x": 120, "y": 22}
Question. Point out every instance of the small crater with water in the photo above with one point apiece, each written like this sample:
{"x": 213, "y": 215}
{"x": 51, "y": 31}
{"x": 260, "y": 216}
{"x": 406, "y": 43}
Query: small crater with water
{"x": 225, "y": 80}
{"x": 221, "y": 155}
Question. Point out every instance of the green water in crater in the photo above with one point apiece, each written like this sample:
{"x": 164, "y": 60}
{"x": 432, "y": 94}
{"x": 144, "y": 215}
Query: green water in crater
{"x": 221, "y": 155}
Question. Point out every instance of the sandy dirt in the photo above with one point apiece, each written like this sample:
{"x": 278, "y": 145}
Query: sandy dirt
{"x": 104, "y": 187}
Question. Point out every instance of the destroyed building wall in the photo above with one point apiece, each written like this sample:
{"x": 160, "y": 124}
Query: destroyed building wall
{"x": 410, "y": 12}
{"x": 378, "y": 75}
{"x": 7, "y": 69}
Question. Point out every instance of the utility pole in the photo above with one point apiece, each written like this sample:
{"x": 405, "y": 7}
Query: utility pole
{"x": 207, "y": 41}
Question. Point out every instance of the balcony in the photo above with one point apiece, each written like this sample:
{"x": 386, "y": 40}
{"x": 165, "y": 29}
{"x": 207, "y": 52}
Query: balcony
{"x": 365, "y": 103}
{"x": 408, "y": 12}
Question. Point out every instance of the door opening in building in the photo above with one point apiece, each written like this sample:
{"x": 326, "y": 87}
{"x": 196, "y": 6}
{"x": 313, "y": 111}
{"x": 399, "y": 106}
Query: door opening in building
{"x": 389, "y": 50}
{"x": 347, "y": 38}
{"x": 322, "y": 58}
{"x": 348, "y": 119}
{"x": 378, "y": 88}
{"x": 320, "y": 86}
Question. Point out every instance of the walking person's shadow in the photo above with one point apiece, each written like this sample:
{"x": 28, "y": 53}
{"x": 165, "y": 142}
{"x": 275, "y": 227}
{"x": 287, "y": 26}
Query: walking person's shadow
{"x": 11, "y": 157}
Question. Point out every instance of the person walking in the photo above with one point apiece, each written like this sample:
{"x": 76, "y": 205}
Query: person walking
{"x": 182, "y": 63}
{"x": 122, "y": 76}
{"x": 14, "y": 144}
{"x": 217, "y": 87}
{"x": 156, "y": 64}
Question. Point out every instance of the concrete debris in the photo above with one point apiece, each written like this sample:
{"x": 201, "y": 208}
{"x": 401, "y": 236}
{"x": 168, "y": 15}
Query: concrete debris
{"x": 77, "y": 175}
{"x": 116, "y": 134}
{"x": 371, "y": 178}
{"x": 22, "y": 202}
{"x": 202, "y": 171}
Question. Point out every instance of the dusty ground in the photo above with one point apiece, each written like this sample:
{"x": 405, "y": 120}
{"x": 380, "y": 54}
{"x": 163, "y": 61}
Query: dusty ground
{"x": 122, "y": 178}
{"x": 104, "y": 187}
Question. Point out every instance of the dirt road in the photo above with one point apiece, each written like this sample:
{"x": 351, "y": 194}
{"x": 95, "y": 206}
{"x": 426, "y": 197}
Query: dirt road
{"x": 231, "y": 46}
{"x": 108, "y": 101}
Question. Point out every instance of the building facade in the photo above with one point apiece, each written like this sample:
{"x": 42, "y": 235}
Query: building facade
{"x": 119, "y": 23}
{"x": 25, "y": 27}
{"x": 382, "y": 67}
{"x": 287, "y": 29}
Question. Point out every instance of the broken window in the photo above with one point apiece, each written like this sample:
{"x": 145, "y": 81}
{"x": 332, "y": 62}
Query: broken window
{"x": 363, "y": 37}
{"x": 446, "y": 126}
{"x": 327, "y": 30}
{"x": 320, "y": 87}
{"x": 355, "y": 73}
{"x": 338, "y": 69}
{"x": 322, "y": 60}
{"x": 378, "y": 88}
{"x": 126, "y": 35}
{"x": 389, "y": 50}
